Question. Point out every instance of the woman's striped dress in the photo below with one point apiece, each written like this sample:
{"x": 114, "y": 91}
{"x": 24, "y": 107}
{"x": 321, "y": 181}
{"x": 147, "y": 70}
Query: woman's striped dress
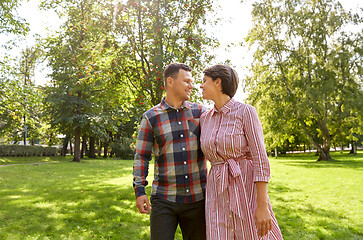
{"x": 232, "y": 140}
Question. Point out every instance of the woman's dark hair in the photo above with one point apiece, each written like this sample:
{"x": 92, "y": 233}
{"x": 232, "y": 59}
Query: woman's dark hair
{"x": 172, "y": 70}
{"x": 228, "y": 76}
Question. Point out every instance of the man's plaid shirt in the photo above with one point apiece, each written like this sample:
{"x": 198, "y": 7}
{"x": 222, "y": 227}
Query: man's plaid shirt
{"x": 173, "y": 137}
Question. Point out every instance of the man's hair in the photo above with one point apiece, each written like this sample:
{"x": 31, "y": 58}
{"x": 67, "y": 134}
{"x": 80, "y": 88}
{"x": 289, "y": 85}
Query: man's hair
{"x": 172, "y": 70}
{"x": 228, "y": 76}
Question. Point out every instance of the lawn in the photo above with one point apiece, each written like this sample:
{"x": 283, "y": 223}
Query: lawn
{"x": 94, "y": 199}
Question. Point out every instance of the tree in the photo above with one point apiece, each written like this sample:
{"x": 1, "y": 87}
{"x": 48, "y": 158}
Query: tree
{"x": 105, "y": 67}
{"x": 155, "y": 33}
{"x": 84, "y": 96}
{"x": 307, "y": 68}
{"x": 79, "y": 64}
{"x": 20, "y": 104}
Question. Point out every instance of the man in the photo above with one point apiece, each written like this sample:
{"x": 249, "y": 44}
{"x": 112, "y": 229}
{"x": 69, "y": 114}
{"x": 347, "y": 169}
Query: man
{"x": 170, "y": 131}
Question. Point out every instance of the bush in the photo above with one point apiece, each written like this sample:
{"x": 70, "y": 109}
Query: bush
{"x": 122, "y": 149}
{"x": 24, "y": 151}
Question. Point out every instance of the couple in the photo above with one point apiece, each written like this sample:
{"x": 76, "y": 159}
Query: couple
{"x": 233, "y": 203}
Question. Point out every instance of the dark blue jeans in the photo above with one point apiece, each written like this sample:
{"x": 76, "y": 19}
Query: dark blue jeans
{"x": 165, "y": 217}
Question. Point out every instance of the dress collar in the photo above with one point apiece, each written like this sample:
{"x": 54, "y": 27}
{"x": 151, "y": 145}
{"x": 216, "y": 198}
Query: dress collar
{"x": 227, "y": 107}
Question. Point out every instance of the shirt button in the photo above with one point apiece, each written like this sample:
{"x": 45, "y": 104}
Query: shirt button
{"x": 179, "y": 123}
{"x": 185, "y": 162}
{"x": 187, "y": 190}
{"x": 181, "y": 135}
{"x": 183, "y": 149}
{"x": 186, "y": 176}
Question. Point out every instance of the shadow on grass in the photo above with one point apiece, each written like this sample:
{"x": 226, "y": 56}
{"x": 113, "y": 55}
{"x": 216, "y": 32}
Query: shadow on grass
{"x": 33, "y": 159}
{"x": 309, "y": 160}
{"x": 307, "y": 221}
{"x": 71, "y": 201}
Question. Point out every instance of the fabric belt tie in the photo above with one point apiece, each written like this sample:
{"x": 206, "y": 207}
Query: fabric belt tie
{"x": 237, "y": 190}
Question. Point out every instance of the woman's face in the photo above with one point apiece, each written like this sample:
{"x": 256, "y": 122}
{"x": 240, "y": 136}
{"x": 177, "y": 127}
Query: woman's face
{"x": 209, "y": 88}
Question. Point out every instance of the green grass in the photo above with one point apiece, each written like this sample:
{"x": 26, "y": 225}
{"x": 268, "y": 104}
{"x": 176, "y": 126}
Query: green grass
{"x": 318, "y": 200}
{"x": 94, "y": 199}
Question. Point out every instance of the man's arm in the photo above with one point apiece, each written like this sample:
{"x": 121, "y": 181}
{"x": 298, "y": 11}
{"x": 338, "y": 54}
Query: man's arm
{"x": 143, "y": 148}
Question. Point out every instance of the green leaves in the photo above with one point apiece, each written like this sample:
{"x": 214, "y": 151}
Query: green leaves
{"x": 305, "y": 68}
{"x": 9, "y": 22}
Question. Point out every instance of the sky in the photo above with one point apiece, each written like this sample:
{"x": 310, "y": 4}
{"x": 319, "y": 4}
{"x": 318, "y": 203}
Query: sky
{"x": 237, "y": 22}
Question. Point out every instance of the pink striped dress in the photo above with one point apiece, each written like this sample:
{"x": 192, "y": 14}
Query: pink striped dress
{"x": 232, "y": 140}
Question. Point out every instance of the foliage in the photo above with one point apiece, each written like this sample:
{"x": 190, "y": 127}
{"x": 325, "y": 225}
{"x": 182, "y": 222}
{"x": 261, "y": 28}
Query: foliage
{"x": 122, "y": 149}
{"x": 9, "y": 22}
{"x": 20, "y": 99}
{"x": 26, "y": 151}
{"x": 83, "y": 96}
{"x": 307, "y": 70}
{"x": 107, "y": 61}
{"x": 156, "y": 33}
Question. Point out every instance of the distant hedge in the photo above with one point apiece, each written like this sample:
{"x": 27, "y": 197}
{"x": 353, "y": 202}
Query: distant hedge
{"x": 24, "y": 151}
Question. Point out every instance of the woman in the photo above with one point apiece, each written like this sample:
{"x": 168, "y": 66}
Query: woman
{"x": 237, "y": 203}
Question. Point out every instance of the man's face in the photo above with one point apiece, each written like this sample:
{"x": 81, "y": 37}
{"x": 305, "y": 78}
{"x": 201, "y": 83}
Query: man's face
{"x": 182, "y": 85}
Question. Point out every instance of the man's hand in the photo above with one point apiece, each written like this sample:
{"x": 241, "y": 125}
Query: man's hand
{"x": 143, "y": 204}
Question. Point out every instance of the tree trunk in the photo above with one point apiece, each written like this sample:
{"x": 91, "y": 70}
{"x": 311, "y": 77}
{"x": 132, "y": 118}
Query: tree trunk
{"x": 100, "y": 148}
{"x": 70, "y": 146}
{"x": 105, "y": 149}
{"x": 97, "y": 147}
{"x": 92, "y": 149}
{"x": 84, "y": 146}
{"x": 324, "y": 154}
{"x": 64, "y": 147}
{"x": 327, "y": 138}
{"x": 77, "y": 147}
{"x": 354, "y": 148}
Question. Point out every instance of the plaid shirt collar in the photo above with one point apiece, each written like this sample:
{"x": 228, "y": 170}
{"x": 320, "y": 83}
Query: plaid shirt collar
{"x": 166, "y": 106}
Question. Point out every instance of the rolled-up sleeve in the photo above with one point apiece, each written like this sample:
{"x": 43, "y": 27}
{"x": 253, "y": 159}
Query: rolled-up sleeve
{"x": 143, "y": 149}
{"x": 254, "y": 135}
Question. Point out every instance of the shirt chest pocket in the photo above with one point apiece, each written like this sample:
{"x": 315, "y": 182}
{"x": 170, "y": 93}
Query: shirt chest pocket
{"x": 232, "y": 141}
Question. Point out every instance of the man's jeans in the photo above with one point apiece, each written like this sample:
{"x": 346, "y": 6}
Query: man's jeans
{"x": 165, "y": 217}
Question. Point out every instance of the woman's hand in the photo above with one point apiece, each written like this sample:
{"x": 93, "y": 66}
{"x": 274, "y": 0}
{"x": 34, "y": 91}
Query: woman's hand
{"x": 263, "y": 220}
